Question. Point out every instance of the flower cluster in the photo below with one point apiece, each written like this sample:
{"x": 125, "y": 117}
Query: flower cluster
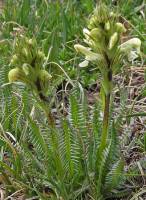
{"x": 103, "y": 39}
{"x": 28, "y": 62}
{"x": 103, "y": 44}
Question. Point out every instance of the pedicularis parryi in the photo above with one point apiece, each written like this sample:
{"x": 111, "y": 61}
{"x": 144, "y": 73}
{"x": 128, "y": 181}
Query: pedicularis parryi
{"x": 104, "y": 49}
{"x": 103, "y": 44}
{"x": 28, "y": 61}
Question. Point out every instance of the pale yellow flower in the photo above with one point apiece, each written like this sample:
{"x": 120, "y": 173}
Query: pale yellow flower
{"x": 134, "y": 43}
{"x": 113, "y": 40}
{"x": 131, "y": 48}
{"x": 89, "y": 55}
{"x": 84, "y": 63}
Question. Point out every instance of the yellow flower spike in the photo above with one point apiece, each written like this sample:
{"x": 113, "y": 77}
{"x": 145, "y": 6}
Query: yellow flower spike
{"x": 16, "y": 74}
{"x": 113, "y": 40}
{"x": 89, "y": 55}
{"x": 120, "y": 28}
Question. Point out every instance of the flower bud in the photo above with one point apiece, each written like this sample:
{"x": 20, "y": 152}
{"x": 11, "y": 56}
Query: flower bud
{"x": 14, "y": 60}
{"x": 32, "y": 42}
{"x": 113, "y": 40}
{"x": 112, "y": 15}
{"x": 25, "y": 52}
{"x": 107, "y": 26}
{"x": 93, "y": 22}
{"x": 41, "y": 55}
{"x": 25, "y": 68}
{"x": 44, "y": 75}
{"x": 15, "y": 75}
{"x": 96, "y": 33}
{"x": 120, "y": 28}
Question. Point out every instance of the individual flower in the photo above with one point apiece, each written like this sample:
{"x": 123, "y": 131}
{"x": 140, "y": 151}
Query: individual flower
{"x": 131, "y": 48}
{"x": 134, "y": 43}
{"x": 16, "y": 74}
{"x": 120, "y": 27}
{"x": 113, "y": 40}
{"x": 107, "y": 26}
{"x": 89, "y": 55}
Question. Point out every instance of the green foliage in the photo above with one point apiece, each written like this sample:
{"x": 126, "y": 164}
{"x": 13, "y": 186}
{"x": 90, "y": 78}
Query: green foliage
{"x": 67, "y": 159}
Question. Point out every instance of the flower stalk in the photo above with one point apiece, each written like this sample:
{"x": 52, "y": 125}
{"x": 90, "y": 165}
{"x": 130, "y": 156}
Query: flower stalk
{"x": 28, "y": 67}
{"x": 104, "y": 49}
{"x": 104, "y": 134}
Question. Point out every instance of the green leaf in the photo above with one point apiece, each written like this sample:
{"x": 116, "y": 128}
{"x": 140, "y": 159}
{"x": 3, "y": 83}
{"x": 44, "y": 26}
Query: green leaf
{"x": 115, "y": 175}
{"x": 37, "y": 139}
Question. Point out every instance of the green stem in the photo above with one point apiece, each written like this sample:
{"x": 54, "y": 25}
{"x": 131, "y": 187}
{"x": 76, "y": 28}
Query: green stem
{"x": 104, "y": 135}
